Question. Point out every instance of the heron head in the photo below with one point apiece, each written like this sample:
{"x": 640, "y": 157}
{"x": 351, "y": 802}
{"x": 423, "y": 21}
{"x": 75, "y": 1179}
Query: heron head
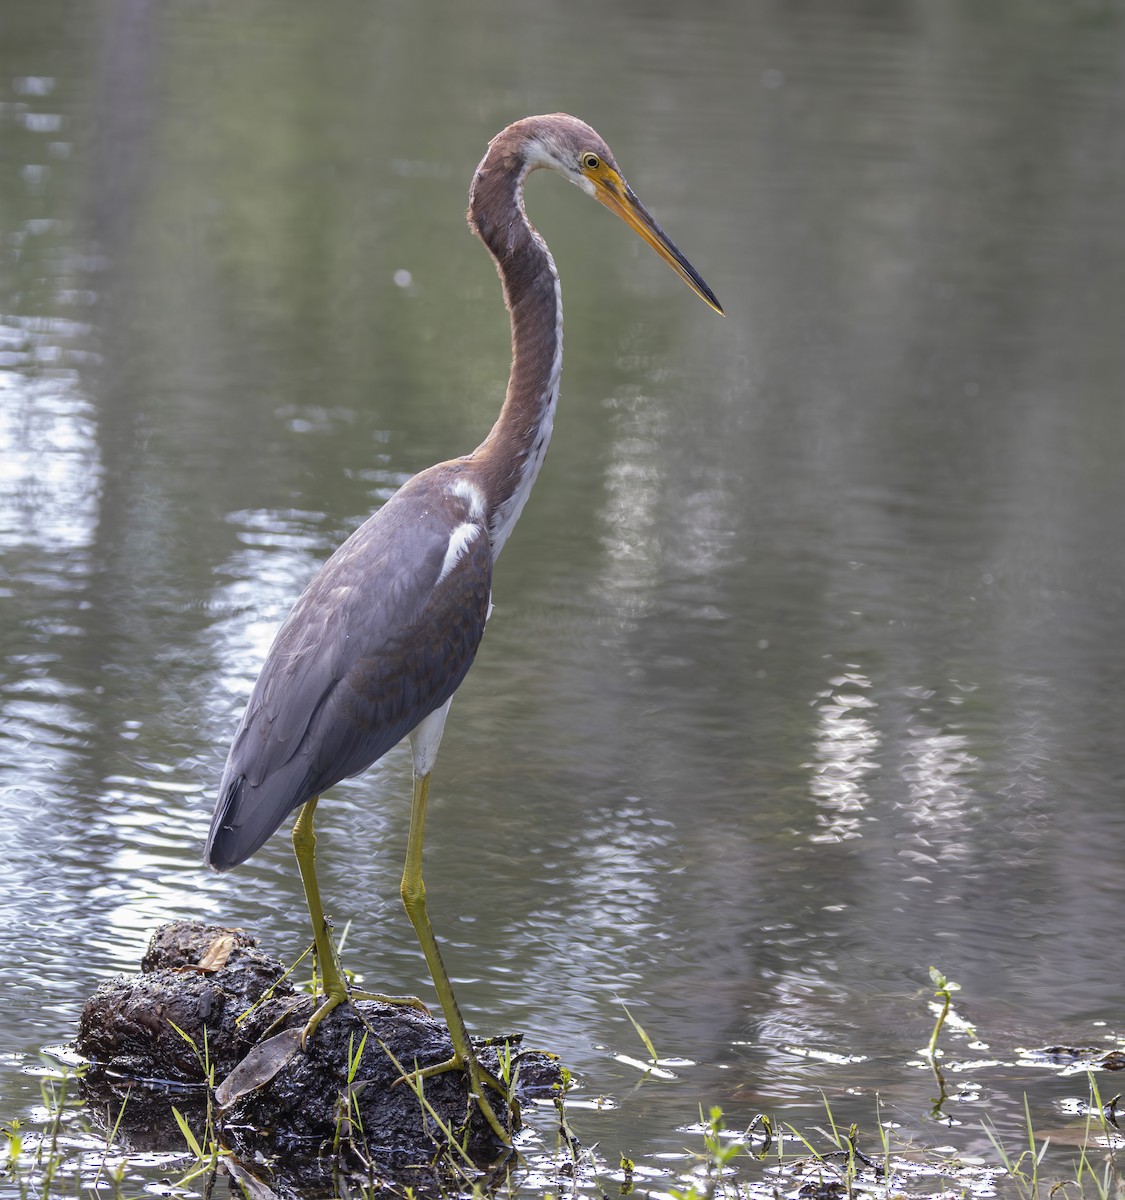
{"x": 569, "y": 146}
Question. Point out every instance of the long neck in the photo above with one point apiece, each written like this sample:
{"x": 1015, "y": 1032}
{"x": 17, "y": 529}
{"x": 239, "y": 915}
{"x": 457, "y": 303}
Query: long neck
{"x": 508, "y": 460}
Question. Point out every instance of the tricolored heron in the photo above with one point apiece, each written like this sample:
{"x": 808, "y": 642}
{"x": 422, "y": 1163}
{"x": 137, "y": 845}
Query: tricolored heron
{"x": 382, "y": 637}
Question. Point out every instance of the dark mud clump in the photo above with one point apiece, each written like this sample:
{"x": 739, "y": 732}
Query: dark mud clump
{"x": 208, "y": 1002}
{"x": 185, "y": 1010}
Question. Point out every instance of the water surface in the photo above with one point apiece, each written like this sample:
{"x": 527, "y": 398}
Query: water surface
{"x": 807, "y": 657}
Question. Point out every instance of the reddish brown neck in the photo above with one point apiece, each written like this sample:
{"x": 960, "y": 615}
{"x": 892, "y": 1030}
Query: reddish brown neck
{"x": 508, "y": 459}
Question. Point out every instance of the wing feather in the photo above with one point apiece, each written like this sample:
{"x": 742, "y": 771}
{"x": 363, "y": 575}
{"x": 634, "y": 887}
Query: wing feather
{"x": 383, "y": 635}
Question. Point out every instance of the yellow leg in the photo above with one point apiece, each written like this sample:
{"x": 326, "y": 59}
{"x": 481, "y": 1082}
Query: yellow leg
{"x": 414, "y": 898}
{"x": 332, "y": 977}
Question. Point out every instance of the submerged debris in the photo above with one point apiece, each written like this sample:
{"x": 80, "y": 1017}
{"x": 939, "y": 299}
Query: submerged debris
{"x": 212, "y": 1011}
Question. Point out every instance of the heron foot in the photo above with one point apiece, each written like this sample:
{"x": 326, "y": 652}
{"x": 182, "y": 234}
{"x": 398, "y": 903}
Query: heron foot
{"x": 335, "y": 997}
{"x": 331, "y": 1001}
{"x": 404, "y": 1001}
{"x": 480, "y": 1077}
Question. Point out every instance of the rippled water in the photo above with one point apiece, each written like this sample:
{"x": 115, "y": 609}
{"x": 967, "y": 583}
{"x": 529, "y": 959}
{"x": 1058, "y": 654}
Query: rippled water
{"x": 806, "y": 665}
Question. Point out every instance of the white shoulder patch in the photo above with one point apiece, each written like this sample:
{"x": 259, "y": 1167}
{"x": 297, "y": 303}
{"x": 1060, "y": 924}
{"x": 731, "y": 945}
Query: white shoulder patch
{"x": 459, "y": 541}
{"x": 471, "y": 494}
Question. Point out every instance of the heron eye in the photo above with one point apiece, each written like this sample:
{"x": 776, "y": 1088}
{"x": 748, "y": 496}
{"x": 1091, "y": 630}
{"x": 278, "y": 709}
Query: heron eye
{"x": 590, "y": 162}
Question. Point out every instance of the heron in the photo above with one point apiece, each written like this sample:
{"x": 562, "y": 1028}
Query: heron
{"x": 384, "y": 634}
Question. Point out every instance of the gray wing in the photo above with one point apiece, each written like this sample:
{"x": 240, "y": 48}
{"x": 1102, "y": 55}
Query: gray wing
{"x": 382, "y": 636}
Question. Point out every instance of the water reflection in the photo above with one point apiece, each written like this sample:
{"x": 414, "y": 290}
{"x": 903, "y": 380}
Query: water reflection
{"x": 631, "y": 511}
{"x": 939, "y": 771}
{"x": 845, "y": 743}
{"x": 618, "y": 863}
{"x": 49, "y": 462}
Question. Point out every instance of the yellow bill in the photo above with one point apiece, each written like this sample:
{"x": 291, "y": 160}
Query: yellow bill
{"x": 612, "y": 190}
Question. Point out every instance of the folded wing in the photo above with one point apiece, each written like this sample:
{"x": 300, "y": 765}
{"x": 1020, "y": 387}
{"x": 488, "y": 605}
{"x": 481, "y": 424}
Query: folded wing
{"x": 383, "y": 635}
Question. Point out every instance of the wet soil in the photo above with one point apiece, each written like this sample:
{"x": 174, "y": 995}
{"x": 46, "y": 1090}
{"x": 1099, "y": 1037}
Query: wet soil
{"x": 210, "y": 1010}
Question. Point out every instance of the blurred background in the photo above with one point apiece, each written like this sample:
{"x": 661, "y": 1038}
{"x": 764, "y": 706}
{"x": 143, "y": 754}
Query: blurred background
{"x": 807, "y": 658}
